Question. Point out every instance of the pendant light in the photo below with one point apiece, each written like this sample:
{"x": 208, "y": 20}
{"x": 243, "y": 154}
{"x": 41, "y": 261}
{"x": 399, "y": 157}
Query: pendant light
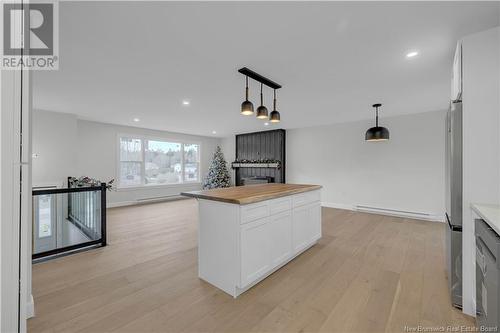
{"x": 274, "y": 117}
{"x": 262, "y": 110}
{"x": 377, "y": 133}
{"x": 246, "y": 106}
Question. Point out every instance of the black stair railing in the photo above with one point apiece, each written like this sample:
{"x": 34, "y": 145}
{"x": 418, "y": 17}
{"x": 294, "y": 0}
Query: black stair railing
{"x": 80, "y": 208}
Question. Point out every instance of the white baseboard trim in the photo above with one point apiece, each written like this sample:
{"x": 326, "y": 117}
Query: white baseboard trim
{"x": 388, "y": 212}
{"x": 30, "y": 308}
{"x": 121, "y": 204}
{"x": 144, "y": 201}
{"x": 337, "y": 205}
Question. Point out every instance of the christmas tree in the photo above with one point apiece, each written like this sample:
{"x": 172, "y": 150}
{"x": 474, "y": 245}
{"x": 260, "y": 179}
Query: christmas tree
{"x": 218, "y": 175}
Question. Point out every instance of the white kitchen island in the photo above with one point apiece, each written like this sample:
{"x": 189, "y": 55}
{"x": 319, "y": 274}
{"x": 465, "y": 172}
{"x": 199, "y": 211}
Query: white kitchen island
{"x": 246, "y": 233}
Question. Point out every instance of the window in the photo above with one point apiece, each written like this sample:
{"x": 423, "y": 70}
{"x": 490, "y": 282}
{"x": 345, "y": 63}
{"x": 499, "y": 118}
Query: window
{"x": 163, "y": 163}
{"x": 130, "y": 161}
{"x": 191, "y": 162}
{"x": 147, "y": 162}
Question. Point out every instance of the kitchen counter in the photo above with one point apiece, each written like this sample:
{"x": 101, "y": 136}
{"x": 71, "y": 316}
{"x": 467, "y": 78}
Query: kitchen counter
{"x": 246, "y": 233}
{"x": 490, "y": 214}
{"x": 243, "y": 195}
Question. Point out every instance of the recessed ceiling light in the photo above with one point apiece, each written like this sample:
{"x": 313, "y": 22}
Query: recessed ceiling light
{"x": 412, "y": 54}
{"x": 185, "y": 102}
{"x": 266, "y": 124}
{"x": 136, "y": 120}
{"x": 214, "y": 132}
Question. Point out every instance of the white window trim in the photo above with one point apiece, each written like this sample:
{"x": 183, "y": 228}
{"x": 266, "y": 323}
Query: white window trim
{"x": 143, "y": 171}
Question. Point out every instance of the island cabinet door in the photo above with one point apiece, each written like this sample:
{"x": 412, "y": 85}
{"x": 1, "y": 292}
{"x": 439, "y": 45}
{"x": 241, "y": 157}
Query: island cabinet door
{"x": 255, "y": 250}
{"x": 280, "y": 237}
{"x": 306, "y": 225}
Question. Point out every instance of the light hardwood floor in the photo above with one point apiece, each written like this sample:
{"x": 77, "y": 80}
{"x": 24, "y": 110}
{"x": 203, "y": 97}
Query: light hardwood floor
{"x": 369, "y": 273}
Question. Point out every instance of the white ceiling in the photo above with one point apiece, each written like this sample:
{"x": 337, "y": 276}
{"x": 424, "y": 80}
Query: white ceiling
{"x": 125, "y": 60}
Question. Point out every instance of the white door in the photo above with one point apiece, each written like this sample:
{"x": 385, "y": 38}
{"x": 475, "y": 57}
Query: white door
{"x": 44, "y": 226}
{"x": 280, "y": 232}
{"x": 255, "y": 258}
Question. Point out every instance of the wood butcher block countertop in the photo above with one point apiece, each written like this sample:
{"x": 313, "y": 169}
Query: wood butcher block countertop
{"x": 243, "y": 195}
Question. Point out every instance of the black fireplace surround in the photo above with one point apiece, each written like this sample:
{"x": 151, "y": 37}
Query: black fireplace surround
{"x": 256, "y": 180}
{"x": 254, "y": 151}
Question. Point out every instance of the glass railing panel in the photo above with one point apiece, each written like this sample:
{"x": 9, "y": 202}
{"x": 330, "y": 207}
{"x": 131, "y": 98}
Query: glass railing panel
{"x": 64, "y": 219}
{"x": 44, "y": 230}
{"x": 84, "y": 212}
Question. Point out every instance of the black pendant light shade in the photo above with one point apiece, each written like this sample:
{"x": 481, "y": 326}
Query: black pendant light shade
{"x": 274, "y": 117}
{"x": 246, "y": 106}
{"x": 262, "y": 112}
{"x": 377, "y": 133}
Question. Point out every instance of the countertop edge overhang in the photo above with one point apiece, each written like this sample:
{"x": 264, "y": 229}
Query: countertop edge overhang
{"x": 489, "y": 213}
{"x": 244, "y": 195}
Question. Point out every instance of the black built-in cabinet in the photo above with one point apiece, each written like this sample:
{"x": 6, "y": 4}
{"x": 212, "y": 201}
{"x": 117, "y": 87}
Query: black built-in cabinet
{"x": 266, "y": 145}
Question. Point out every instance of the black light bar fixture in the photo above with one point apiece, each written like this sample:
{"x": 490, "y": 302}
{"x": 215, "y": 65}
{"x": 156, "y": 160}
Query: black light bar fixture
{"x": 377, "y": 133}
{"x": 247, "y": 106}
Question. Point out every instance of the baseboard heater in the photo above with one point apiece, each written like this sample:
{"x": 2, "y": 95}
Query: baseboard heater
{"x": 395, "y": 212}
{"x": 161, "y": 198}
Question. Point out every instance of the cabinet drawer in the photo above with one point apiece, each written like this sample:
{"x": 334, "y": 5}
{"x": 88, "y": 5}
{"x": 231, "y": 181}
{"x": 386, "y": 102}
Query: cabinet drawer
{"x": 253, "y": 212}
{"x": 305, "y": 198}
{"x": 280, "y": 205}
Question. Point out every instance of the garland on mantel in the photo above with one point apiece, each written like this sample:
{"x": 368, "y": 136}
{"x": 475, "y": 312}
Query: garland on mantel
{"x": 261, "y": 161}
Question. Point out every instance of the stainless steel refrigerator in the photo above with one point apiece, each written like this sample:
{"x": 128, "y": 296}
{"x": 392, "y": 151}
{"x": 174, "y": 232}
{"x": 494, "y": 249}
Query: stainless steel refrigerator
{"x": 454, "y": 201}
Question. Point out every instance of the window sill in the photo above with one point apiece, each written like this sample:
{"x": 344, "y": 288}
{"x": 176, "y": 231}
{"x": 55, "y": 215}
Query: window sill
{"x": 150, "y": 187}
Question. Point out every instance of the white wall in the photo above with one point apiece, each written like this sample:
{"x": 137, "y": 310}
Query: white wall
{"x": 97, "y": 157}
{"x": 67, "y": 146}
{"x": 481, "y": 141}
{"x": 404, "y": 173}
{"x": 55, "y": 143}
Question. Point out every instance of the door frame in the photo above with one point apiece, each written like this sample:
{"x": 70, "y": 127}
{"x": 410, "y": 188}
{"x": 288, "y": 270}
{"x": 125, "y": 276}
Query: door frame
{"x": 16, "y": 302}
